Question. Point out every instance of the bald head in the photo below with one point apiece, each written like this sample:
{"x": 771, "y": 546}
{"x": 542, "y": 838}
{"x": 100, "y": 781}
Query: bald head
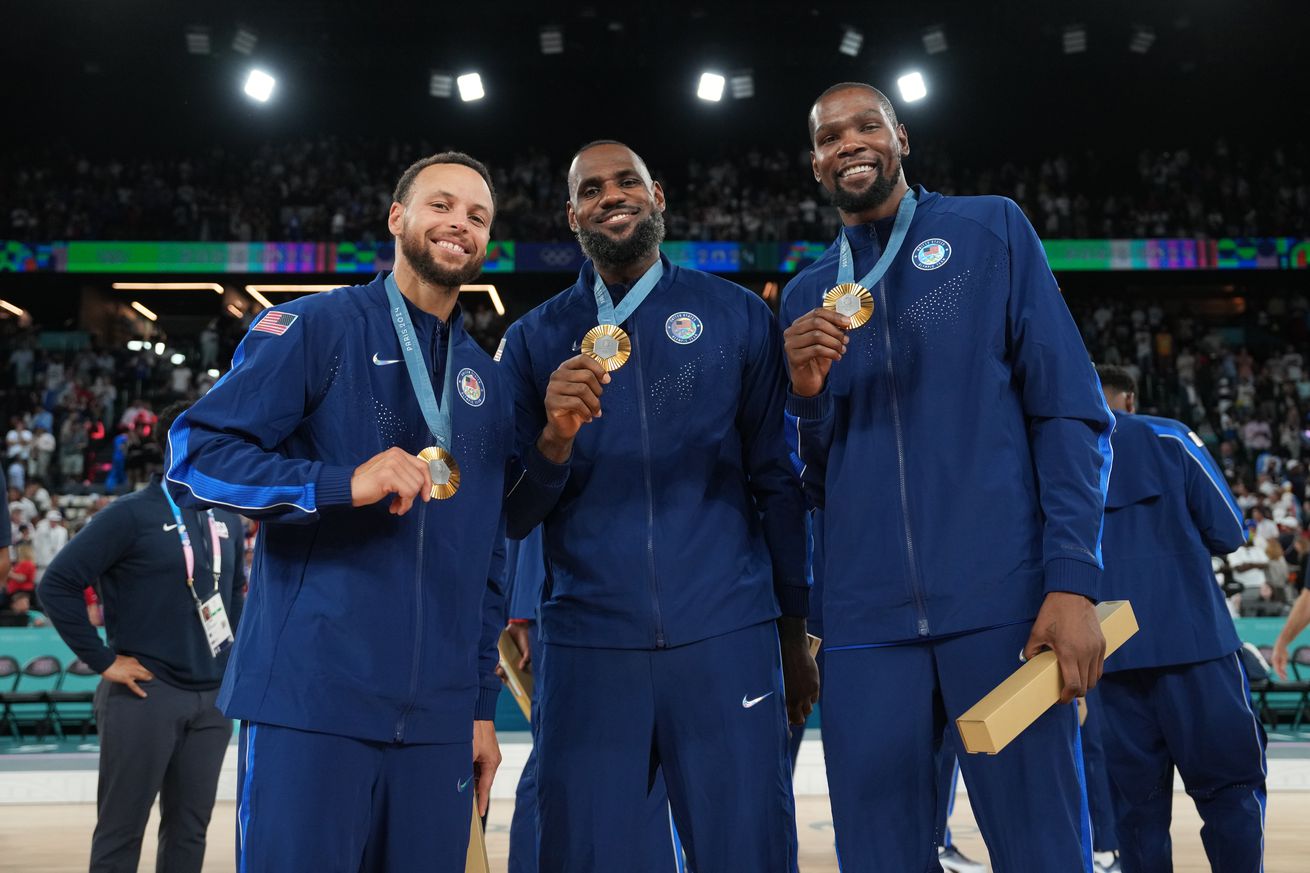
{"x": 611, "y": 151}
{"x": 886, "y": 104}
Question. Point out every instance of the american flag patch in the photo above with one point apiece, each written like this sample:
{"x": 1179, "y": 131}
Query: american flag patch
{"x": 276, "y": 322}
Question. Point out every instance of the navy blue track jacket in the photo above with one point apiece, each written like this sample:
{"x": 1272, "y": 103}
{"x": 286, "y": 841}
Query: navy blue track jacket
{"x": 961, "y": 447}
{"x": 678, "y": 516}
{"x": 1169, "y": 509}
{"x": 359, "y": 623}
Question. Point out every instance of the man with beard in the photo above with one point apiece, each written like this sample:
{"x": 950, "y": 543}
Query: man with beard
{"x": 371, "y": 436}
{"x": 674, "y": 538}
{"x": 931, "y": 354}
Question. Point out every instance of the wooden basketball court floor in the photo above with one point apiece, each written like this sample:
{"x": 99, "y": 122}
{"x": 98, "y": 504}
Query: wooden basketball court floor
{"x": 56, "y": 838}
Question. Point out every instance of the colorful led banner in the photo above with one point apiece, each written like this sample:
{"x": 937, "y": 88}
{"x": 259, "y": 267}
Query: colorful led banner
{"x": 507, "y": 256}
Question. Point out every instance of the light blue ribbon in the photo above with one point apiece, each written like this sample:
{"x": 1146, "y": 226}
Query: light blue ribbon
{"x": 437, "y": 415}
{"x": 607, "y": 312}
{"x": 846, "y": 263}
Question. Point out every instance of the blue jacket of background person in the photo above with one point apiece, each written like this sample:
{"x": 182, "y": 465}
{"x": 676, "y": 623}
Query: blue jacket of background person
{"x": 678, "y": 517}
{"x": 961, "y": 447}
{"x": 1169, "y": 509}
{"x": 358, "y": 622}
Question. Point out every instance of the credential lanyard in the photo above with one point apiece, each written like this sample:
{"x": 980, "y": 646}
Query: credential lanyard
{"x": 846, "y": 263}
{"x": 607, "y": 312}
{"x": 437, "y": 415}
{"x": 188, "y": 553}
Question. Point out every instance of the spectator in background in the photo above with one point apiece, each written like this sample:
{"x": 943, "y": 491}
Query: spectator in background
{"x": 6, "y": 538}
{"x": 1249, "y": 563}
{"x": 160, "y": 569}
{"x": 19, "y": 612}
{"x": 22, "y": 575}
{"x": 49, "y": 536}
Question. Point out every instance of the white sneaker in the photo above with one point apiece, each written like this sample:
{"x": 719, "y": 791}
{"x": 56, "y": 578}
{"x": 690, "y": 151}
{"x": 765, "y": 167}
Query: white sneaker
{"x": 1106, "y": 862}
{"x": 954, "y": 861}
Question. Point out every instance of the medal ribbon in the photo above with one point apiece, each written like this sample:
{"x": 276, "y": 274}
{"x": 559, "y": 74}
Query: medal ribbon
{"x": 188, "y": 553}
{"x": 607, "y": 312}
{"x": 846, "y": 263}
{"x": 437, "y": 415}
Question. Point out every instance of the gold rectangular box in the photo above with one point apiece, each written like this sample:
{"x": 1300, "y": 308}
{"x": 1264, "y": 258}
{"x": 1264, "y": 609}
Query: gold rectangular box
{"x": 520, "y": 683}
{"x": 476, "y": 860}
{"x": 991, "y": 723}
{"x": 816, "y": 643}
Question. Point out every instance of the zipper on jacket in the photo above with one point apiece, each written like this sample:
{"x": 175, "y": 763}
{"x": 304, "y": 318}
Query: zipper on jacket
{"x": 915, "y": 589}
{"x": 421, "y": 507}
{"x": 650, "y": 495}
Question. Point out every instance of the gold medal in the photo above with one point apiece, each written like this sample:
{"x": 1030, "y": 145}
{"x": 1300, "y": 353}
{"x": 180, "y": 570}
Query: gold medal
{"x": 443, "y": 470}
{"x": 608, "y": 345}
{"x": 851, "y": 300}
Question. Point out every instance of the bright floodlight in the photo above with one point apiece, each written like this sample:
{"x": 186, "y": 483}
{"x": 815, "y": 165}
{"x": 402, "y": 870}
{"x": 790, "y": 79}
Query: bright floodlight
{"x": 470, "y": 87}
{"x": 851, "y": 42}
{"x": 259, "y": 85}
{"x": 912, "y": 87}
{"x": 178, "y": 359}
{"x": 711, "y": 87}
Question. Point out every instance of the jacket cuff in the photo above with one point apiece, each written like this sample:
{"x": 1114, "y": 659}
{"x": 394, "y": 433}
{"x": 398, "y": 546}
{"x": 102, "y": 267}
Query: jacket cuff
{"x": 794, "y": 600}
{"x": 818, "y": 406}
{"x": 1073, "y": 576}
{"x": 101, "y": 660}
{"x": 544, "y": 471}
{"x": 485, "y": 710}
{"x": 332, "y": 487}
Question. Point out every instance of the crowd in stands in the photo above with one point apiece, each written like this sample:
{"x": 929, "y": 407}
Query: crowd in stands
{"x": 1243, "y": 384}
{"x": 340, "y": 189}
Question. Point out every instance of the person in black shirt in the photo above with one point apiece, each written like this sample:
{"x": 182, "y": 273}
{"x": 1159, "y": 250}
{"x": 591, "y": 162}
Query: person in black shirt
{"x": 167, "y": 579}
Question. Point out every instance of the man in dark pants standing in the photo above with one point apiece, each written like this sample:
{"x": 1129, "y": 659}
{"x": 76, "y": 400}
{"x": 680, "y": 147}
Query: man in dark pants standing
{"x": 159, "y": 571}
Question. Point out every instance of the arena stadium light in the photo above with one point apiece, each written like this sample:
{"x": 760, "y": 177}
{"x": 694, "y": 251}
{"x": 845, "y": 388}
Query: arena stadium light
{"x": 441, "y": 84}
{"x": 159, "y": 349}
{"x": 213, "y": 374}
{"x": 741, "y": 85}
{"x": 136, "y": 345}
{"x": 934, "y": 40}
{"x": 490, "y": 291}
{"x": 1074, "y": 39}
{"x": 552, "y": 40}
{"x": 197, "y": 40}
{"x": 259, "y": 298}
{"x": 851, "y": 42}
{"x": 168, "y": 286}
{"x": 259, "y": 86}
{"x": 234, "y": 310}
{"x": 178, "y": 359}
{"x": 470, "y": 87}
{"x": 711, "y": 87}
{"x": 912, "y": 87}
{"x": 252, "y": 290}
{"x": 144, "y": 311}
{"x": 244, "y": 41}
{"x": 1142, "y": 40}
{"x": 9, "y": 307}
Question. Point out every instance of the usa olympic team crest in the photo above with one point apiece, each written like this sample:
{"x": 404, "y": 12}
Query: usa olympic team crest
{"x": 471, "y": 387}
{"x": 931, "y": 254}
{"x": 684, "y": 328}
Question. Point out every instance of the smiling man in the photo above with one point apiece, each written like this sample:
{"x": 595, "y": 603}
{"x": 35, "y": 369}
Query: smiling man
{"x": 370, "y": 434}
{"x": 650, "y": 412}
{"x": 937, "y": 380}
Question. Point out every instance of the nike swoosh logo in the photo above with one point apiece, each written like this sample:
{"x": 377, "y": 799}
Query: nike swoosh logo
{"x": 168, "y": 527}
{"x": 382, "y": 362}
{"x": 465, "y": 784}
{"x": 747, "y": 704}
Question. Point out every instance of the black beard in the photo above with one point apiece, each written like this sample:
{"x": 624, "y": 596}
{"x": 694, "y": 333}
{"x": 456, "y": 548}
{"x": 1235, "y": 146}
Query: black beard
{"x": 611, "y": 253}
{"x": 425, "y": 265}
{"x": 872, "y": 197}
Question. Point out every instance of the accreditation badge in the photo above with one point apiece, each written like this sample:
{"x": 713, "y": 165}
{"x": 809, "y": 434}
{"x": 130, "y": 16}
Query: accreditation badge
{"x": 213, "y": 617}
